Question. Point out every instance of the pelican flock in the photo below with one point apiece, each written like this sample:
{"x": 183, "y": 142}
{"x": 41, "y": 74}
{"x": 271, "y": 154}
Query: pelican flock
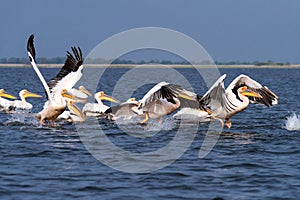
{"x": 163, "y": 99}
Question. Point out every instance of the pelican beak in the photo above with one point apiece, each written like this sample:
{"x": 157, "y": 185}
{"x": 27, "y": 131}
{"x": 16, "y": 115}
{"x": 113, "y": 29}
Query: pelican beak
{"x": 251, "y": 93}
{"x": 67, "y": 95}
{"x": 31, "y": 94}
{"x": 9, "y": 96}
{"x": 72, "y": 107}
{"x": 84, "y": 90}
{"x": 186, "y": 96}
{"x": 209, "y": 111}
{"x": 109, "y": 98}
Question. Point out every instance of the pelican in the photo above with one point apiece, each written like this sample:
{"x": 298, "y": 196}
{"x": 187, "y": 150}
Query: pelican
{"x": 192, "y": 109}
{"x": 58, "y": 87}
{"x": 125, "y": 110}
{"x": 4, "y": 103}
{"x": 237, "y": 96}
{"x": 23, "y": 104}
{"x": 98, "y": 109}
{"x": 72, "y": 115}
{"x": 162, "y": 100}
{"x": 81, "y": 94}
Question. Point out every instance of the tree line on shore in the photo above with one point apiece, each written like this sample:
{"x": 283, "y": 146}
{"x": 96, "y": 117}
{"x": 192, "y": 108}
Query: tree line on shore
{"x": 60, "y": 60}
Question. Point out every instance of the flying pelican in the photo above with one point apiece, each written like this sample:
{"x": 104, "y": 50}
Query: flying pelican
{"x": 241, "y": 91}
{"x": 4, "y": 103}
{"x": 58, "y": 87}
{"x": 98, "y": 109}
{"x": 162, "y": 100}
{"x": 124, "y": 110}
{"x": 23, "y": 104}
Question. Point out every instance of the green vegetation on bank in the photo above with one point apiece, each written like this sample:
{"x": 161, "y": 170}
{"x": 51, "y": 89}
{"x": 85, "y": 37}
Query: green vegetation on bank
{"x": 60, "y": 60}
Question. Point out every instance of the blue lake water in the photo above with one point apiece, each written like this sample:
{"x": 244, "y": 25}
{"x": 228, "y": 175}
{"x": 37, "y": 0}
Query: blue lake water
{"x": 256, "y": 159}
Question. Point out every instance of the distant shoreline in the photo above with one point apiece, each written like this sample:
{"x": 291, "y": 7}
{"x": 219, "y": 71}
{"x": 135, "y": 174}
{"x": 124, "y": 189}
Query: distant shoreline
{"x": 154, "y": 66}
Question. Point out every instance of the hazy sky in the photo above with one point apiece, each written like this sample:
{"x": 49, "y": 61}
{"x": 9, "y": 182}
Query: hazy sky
{"x": 230, "y": 30}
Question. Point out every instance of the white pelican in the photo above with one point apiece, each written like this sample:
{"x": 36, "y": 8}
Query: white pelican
{"x": 4, "y": 103}
{"x": 98, "y": 109}
{"x": 162, "y": 100}
{"x": 124, "y": 110}
{"x": 242, "y": 91}
{"x": 81, "y": 94}
{"x": 57, "y": 88}
{"x": 23, "y": 104}
{"x": 192, "y": 109}
{"x": 72, "y": 115}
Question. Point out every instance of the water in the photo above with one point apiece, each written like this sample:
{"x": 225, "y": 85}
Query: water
{"x": 292, "y": 122}
{"x": 258, "y": 158}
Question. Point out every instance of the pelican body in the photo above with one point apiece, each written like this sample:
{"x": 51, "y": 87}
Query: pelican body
{"x": 162, "y": 100}
{"x": 98, "y": 109}
{"x": 5, "y": 103}
{"x": 23, "y": 104}
{"x": 125, "y": 110}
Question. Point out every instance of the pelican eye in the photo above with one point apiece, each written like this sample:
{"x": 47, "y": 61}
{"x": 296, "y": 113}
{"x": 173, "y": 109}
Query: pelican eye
{"x": 64, "y": 91}
{"x": 244, "y": 88}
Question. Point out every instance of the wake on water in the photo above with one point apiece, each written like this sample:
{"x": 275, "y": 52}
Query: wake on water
{"x": 292, "y": 122}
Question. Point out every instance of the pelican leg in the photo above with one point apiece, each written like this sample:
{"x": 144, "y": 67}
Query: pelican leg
{"x": 52, "y": 124}
{"x": 41, "y": 122}
{"x": 228, "y": 123}
{"x": 146, "y": 118}
{"x": 220, "y": 120}
{"x": 159, "y": 120}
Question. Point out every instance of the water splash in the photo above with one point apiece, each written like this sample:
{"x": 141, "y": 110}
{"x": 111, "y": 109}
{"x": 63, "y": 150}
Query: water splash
{"x": 292, "y": 122}
{"x": 21, "y": 118}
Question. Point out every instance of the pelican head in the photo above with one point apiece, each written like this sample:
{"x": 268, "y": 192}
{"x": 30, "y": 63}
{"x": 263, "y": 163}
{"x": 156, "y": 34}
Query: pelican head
{"x": 4, "y": 94}
{"x": 25, "y": 93}
{"x": 66, "y": 94}
{"x": 73, "y": 108}
{"x": 247, "y": 92}
{"x": 102, "y": 96}
{"x": 133, "y": 101}
{"x": 84, "y": 90}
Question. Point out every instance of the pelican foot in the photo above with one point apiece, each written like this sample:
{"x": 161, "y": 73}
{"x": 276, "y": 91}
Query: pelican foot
{"x": 228, "y": 123}
{"x": 145, "y": 120}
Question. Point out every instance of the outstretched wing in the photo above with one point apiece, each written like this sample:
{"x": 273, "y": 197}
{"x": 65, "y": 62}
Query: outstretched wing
{"x": 162, "y": 90}
{"x": 71, "y": 65}
{"x": 30, "y": 48}
{"x": 69, "y": 74}
{"x": 268, "y": 97}
{"x": 31, "y": 54}
{"x": 215, "y": 97}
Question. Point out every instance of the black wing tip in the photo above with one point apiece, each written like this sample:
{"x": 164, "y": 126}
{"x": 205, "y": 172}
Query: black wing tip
{"x": 109, "y": 110}
{"x": 30, "y": 46}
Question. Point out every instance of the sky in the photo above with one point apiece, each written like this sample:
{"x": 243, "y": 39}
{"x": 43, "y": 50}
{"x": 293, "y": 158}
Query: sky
{"x": 229, "y": 30}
